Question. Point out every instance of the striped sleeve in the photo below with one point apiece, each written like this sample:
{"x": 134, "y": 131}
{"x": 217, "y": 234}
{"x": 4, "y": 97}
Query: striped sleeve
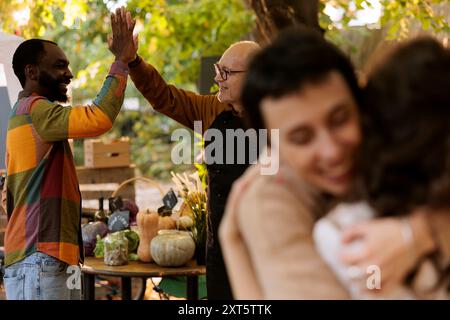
{"x": 3, "y": 192}
{"x": 54, "y": 122}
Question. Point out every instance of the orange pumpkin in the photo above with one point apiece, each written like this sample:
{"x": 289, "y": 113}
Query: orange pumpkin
{"x": 166, "y": 223}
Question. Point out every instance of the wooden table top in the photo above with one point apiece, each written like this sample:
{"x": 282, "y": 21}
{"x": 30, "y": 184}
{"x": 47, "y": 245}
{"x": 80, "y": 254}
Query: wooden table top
{"x": 140, "y": 269}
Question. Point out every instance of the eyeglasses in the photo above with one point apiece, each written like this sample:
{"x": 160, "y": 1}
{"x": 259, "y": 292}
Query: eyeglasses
{"x": 224, "y": 73}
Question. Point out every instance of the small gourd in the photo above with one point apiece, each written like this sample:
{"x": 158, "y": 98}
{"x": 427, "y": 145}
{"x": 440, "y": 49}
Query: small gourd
{"x": 184, "y": 223}
{"x": 166, "y": 223}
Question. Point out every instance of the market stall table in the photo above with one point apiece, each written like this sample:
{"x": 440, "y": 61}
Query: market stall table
{"x": 135, "y": 269}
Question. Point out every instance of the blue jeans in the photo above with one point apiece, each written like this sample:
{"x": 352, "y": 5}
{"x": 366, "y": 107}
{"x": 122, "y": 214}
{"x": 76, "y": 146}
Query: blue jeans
{"x": 41, "y": 277}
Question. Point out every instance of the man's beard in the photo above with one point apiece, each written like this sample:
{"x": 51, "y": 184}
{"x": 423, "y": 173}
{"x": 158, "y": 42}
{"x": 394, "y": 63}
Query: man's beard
{"x": 52, "y": 85}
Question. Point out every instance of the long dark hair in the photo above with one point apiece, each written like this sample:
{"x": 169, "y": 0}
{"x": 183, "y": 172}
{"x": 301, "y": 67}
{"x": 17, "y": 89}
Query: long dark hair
{"x": 405, "y": 156}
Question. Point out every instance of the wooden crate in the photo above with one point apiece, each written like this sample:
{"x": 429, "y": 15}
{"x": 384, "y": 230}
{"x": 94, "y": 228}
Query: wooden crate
{"x": 98, "y": 154}
{"x": 106, "y": 181}
{"x": 102, "y": 182}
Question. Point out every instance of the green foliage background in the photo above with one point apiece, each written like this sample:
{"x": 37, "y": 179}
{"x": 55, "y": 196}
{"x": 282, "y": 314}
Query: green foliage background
{"x": 174, "y": 35}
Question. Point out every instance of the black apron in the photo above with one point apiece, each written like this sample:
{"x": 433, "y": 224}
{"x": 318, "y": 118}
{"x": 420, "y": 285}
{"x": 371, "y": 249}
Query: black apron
{"x": 220, "y": 180}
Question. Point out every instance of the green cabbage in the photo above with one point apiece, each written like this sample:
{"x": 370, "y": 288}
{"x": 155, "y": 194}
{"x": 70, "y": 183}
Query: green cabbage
{"x": 133, "y": 243}
{"x": 99, "y": 250}
{"x": 133, "y": 239}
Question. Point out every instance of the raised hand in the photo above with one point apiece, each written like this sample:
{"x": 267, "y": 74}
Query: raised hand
{"x": 122, "y": 43}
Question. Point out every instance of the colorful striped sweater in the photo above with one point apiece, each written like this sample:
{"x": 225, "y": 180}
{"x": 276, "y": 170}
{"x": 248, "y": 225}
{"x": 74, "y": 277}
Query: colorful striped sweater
{"x": 43, "y": 197}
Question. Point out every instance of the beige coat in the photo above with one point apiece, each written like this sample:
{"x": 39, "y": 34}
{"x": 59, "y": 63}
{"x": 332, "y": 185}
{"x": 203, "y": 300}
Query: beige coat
{"x": 267, "y": 242}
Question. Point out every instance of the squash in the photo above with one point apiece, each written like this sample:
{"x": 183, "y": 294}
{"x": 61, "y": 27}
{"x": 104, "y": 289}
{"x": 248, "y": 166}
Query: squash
{"x": 185, "y": 210}
{"x": 172, "y": 248}
{"x": 166, "y": 223}
{"x": 184, "y": 223}
{"x": 149, "y": 223}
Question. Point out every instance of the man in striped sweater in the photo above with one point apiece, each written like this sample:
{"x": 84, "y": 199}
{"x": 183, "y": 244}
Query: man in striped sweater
{"x": 43, "y": 202}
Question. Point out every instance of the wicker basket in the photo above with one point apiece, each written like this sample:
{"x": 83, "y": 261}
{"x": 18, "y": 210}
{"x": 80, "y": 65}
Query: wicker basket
{"x": 149, "y": 181}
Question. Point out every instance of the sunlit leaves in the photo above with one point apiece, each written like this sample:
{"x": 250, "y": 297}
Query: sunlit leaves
{"x": 177, "y": 34}
{"x": 398, "y": 17}
{"x": 174, "y": 35}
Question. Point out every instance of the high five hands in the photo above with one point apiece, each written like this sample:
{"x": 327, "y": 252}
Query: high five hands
{"x": 122, "y": 43}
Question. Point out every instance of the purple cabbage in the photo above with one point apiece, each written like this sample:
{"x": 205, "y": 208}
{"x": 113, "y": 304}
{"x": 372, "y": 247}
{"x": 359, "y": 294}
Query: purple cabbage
{"x": 89, "y": 233}
{"x": 130, "y": 206}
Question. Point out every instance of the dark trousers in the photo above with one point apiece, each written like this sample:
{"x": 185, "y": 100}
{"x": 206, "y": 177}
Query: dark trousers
{"x": 217, "y": 282}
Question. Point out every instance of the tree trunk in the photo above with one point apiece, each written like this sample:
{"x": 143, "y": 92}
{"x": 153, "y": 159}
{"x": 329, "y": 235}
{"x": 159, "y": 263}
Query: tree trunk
{"x": 272, "y": 16}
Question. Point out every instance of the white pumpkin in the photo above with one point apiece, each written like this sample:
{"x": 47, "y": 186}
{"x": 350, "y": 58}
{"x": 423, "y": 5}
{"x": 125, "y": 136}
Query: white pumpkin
{"x": 168, "y": 231}
{"x": 172, "y": 248}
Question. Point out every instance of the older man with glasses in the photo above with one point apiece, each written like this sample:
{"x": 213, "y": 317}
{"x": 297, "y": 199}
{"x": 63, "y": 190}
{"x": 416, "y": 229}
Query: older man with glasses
{"x": 221, "y": 111}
